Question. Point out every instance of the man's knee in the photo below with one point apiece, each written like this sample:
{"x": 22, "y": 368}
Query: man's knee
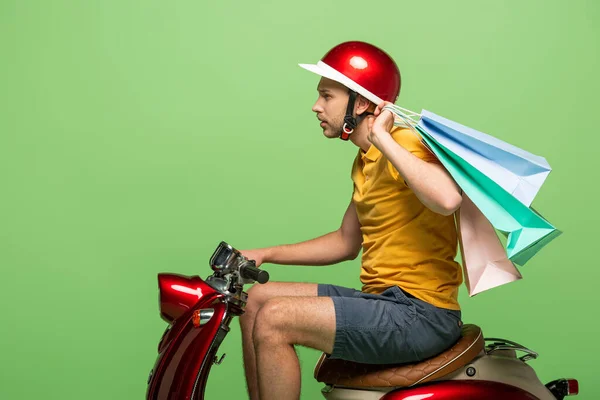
{"x": 258, "y": 296}
{"x": 270, "y": 321}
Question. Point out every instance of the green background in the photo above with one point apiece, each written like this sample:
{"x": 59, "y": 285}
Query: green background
{"x": 136, "y": 135}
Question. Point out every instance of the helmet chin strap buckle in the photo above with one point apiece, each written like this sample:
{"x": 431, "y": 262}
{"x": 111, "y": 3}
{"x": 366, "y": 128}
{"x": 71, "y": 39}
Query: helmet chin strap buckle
{"x": 346, "y": 132}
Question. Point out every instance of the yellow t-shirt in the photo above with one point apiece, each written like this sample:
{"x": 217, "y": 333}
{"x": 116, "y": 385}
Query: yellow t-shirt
{"x": 404, "y": 243}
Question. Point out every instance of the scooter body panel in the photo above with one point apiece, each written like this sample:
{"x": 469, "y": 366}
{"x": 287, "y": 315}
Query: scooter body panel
{"x": 446, "y": 390}
{"x": 463, "y": 390}
{"x": 179, "y": 293}
{"x": 188, "y": 347}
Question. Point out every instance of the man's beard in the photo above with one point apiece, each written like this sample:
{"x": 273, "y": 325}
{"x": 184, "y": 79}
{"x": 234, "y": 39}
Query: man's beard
{"x": 333, "y": 129}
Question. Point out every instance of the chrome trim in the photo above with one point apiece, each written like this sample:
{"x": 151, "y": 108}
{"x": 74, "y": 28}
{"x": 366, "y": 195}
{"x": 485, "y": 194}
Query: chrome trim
{"x": 239, "y": 298}
{"x": 217, "y": 283}
{"x": 228, "y": 258}
{"x": 503, "y": 344}
{"x": 205, "y": 315}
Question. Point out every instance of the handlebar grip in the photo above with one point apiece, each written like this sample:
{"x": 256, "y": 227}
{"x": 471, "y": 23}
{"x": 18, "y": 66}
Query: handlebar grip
{"x": 256, "y": 274}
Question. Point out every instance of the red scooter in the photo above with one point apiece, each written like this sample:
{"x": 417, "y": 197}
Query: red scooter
{"x": 199, "y": 313}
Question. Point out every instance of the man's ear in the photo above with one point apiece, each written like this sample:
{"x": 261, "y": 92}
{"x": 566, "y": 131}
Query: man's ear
{"x": 362, "y": 105}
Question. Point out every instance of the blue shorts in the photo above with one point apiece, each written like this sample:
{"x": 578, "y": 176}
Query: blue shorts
{"x": 389, "y": 328}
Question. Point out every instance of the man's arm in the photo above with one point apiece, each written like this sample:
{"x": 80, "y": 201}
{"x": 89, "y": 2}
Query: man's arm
{"x": 340, "y": 245}
{"x": 430, "y": 182}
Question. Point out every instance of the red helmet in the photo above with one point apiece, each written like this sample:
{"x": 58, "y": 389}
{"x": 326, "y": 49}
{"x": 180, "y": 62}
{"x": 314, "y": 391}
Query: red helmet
{"x": 363, "y": 68}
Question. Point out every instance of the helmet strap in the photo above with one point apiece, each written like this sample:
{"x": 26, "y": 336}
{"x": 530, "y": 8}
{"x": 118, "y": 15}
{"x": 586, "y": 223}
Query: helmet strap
{"x": 349, "y": 120}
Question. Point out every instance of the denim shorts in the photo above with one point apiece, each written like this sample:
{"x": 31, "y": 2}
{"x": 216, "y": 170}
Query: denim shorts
{"x": 389, "y": 328}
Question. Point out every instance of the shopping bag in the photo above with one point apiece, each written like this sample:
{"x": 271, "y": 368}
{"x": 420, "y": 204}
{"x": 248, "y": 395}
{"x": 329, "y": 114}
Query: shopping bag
{"x": 517, "y": 171}
{"x": 484, "y": 259}
{"x": 527, "y": 231}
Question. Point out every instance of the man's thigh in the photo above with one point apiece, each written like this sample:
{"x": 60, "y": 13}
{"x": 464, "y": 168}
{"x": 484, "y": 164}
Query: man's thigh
{"x": 337, "y": 291}
{"x": 260, "y": 294}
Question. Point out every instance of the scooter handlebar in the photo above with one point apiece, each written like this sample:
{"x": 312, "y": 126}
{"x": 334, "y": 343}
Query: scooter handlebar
{"x": 249, "y": 271}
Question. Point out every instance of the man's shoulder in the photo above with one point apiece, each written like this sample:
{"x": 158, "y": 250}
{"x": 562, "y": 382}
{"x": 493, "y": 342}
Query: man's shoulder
{"x": 402, "y": 134}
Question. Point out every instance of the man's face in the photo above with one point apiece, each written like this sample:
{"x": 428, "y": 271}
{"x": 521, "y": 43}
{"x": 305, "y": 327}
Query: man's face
{"x": 331, "y": 106}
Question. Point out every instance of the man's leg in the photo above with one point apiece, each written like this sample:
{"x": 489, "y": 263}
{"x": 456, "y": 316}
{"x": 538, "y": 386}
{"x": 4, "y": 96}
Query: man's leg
{"x": 258, "y": 295}
{"x": 280, "y": 324}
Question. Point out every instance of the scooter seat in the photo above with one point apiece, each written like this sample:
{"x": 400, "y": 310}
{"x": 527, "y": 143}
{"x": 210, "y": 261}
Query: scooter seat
{"x": 350, "y": 374}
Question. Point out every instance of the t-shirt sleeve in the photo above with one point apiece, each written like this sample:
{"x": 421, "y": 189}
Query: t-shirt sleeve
{"x": 408, "y": 139}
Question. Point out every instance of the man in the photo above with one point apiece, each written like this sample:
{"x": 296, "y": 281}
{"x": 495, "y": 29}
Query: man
{"x": 401, "y": 215}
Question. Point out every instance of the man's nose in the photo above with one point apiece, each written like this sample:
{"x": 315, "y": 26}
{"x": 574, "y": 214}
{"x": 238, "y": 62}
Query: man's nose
{"x": 317, "y": 107}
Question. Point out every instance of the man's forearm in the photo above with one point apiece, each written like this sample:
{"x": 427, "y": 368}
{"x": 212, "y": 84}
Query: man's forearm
{"x": 431, "y": 183}
{"x": 324, "y": 250}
